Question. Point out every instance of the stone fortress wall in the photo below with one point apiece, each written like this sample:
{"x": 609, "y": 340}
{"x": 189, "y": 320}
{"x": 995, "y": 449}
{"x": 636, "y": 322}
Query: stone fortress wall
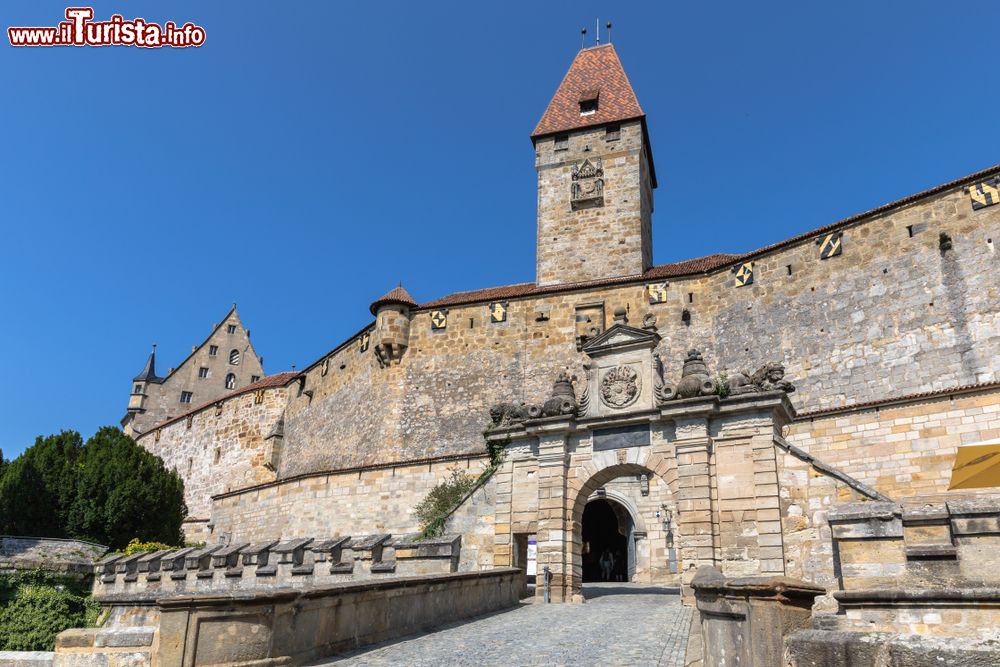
{"x": 890, "y": 316}
{"x": 220, "y": 447}
{"x": 348, "y": 412}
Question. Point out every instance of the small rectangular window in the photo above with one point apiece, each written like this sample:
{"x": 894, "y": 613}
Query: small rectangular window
{"x": 203, "y": 372}
{"x": 562, "y": 142}
{"x": 138, "y": 389}
{"x": 186, "y": 396}
{"x": 213, "y": 350}
{"x": 231, "y": 329}
{"x": 254, "y": 378}
{"x": 613, "y": 133}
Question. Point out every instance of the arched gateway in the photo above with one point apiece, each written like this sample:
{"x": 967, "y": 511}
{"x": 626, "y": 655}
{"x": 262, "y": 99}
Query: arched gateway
{"x": 694, "y": 475}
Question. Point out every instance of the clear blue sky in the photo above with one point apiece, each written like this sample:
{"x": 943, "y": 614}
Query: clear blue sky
{"x": 312, "y": 154}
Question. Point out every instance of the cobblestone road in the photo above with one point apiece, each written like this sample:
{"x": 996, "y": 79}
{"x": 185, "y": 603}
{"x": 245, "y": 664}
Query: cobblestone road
{"x": 621, "y": 624}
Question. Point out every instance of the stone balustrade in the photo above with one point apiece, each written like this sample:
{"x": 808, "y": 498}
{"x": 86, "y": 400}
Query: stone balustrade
{"x": 294, "y": 563}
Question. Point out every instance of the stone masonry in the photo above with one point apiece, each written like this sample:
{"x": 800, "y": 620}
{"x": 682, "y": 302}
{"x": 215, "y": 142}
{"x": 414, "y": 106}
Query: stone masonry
{"x": 881, "y": 331}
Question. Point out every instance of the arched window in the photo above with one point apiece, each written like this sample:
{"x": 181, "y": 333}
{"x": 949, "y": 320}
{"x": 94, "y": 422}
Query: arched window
{"x": 230, "y": 381}
{"x": 234, "y": 357}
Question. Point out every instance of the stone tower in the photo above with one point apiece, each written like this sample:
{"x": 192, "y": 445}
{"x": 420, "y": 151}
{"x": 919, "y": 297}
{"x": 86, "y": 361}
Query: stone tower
{"x": 391, "y": 336}
{"x": 595, "y": 176}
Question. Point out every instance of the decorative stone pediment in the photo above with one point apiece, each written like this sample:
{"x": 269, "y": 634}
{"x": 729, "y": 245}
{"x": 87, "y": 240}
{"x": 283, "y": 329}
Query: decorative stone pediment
{"x": 619, "y": 338}
{"x": 620, "y": 376}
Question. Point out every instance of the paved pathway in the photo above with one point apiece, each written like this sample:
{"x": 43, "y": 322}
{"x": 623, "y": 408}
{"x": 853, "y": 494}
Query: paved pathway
{"x": 621, "y": 624}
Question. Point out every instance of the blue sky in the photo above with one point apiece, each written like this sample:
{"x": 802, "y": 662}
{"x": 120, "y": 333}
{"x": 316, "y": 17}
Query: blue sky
{"x": 312, "y": 154}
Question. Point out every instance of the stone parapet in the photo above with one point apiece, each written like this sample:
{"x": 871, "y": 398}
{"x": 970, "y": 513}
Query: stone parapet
{"x": 67, "y": 557}
{"x": 744, "y": 620}
{"x": 296, "y": 563}
{"x": 917, "y": 544}
{"x": 809, "y": 648}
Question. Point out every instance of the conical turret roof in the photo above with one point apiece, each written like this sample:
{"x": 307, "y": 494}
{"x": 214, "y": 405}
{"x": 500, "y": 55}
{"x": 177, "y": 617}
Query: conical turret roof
{"x": 148, "y": 373}
{"x": 395, "y": 296}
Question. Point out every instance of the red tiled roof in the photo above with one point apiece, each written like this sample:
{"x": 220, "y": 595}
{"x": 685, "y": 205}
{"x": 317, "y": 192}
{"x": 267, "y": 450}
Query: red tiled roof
{"x": 687, "y": 267}
{"x": 397, "y": 295}
{"x": 276, "y": 380}
{"x": 595, "y": 72}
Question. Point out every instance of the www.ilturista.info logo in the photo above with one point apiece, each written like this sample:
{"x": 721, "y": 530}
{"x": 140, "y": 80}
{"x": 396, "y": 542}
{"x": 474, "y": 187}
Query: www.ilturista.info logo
{"x": 81, "y": 30}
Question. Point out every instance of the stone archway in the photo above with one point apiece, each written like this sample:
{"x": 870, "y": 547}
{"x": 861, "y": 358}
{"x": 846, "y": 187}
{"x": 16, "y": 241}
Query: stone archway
{"x": 609, "y": 552}
{"x": 585, "y": 493}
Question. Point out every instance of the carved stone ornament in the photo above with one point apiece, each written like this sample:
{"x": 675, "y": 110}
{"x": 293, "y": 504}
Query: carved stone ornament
{"x": 769, "y": 377}
{"x": 588, "y": 182}
{"x": 563, "y": 400}
{"x": 620, "y": 387}
{"x": 695, "y": 380}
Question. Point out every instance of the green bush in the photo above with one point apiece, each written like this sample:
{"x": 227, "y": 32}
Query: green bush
{"x": 107, "y": 490}
{"x": 36, "y": 606}
{"x": 135, "y": 546}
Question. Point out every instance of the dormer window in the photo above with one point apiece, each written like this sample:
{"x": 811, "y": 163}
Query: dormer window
{"x": 588, "y": 102}
{"x": 138, "y": 389}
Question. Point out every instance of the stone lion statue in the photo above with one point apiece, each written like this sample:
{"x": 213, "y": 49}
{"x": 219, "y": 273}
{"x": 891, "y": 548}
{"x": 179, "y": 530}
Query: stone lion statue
{"x": 769, "y": 377}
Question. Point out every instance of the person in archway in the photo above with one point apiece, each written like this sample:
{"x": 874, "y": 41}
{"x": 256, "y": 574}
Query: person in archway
{"x": 607, "y": 565}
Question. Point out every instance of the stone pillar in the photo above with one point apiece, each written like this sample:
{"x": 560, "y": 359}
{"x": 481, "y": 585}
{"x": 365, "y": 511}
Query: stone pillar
{"x": 502, "y": 544}
{"x": 770, "y": 549}
{"x": 744, "y": 621}
{"x": 555, "y": 532}
{"x": 694, "y": 501}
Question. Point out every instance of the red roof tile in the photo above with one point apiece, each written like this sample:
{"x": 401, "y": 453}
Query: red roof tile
{"x": 397, "y": 295}
{"x": 595, "y": 72}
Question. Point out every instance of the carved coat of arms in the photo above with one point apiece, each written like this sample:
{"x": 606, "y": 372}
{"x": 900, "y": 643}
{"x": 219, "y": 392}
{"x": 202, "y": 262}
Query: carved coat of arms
{"x": 588, "y": 182}
{"x": 620, "y": 387}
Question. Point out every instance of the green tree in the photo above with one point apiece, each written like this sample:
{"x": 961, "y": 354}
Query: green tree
{"x": 124, "y": 492}
{"x": 38, "y": 487}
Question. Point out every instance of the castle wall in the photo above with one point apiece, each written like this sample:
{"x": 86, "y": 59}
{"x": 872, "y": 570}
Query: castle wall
{"x": 360, "y": 502}
{"x": 892, "y": 315}
{"x": 901, "y": 451}
{"x": 218, "y": 449}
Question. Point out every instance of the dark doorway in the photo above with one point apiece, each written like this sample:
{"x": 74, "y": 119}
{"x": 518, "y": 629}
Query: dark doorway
{"x": 606, "y": 530}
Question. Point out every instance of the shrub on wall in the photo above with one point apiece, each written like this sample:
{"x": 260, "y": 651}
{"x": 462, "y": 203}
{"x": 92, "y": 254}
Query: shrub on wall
{"x": 107, "y": 490}
{"x": 35, "y": 606}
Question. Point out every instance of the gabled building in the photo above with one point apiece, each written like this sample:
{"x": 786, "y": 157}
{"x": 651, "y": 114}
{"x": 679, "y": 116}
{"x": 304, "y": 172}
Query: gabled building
{"x": 221, "y": 364}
